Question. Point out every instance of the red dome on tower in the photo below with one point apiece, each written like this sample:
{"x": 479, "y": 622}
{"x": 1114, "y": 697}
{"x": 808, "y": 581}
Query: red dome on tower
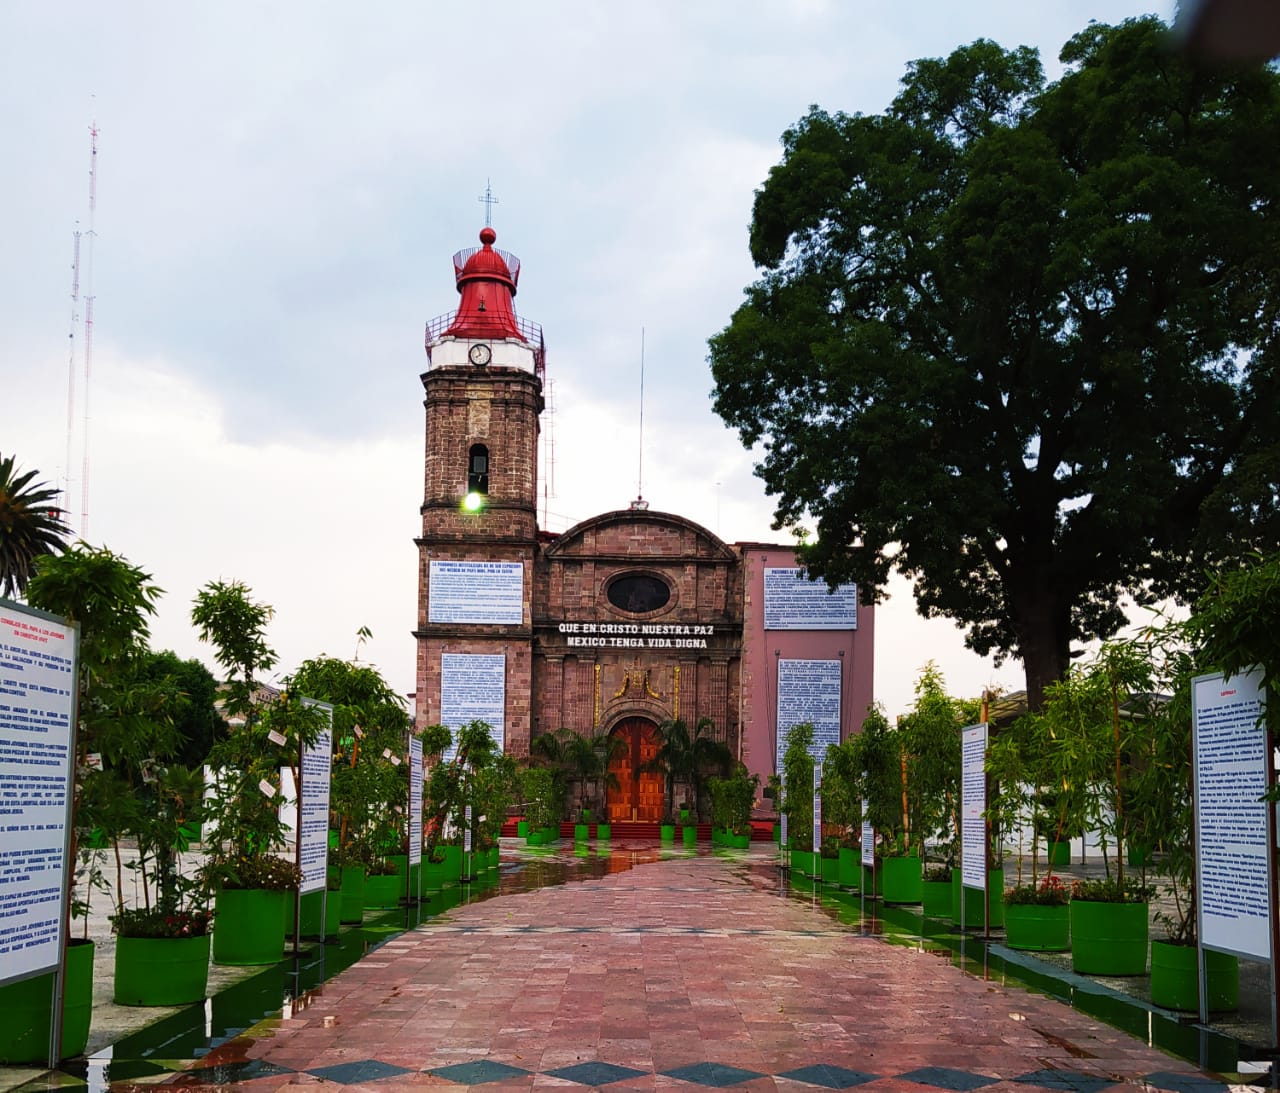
{"x": 487, "y": 281}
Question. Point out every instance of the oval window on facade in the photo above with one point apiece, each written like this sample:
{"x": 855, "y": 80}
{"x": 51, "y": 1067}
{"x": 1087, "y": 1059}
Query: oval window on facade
{"x": 638, "y": 593}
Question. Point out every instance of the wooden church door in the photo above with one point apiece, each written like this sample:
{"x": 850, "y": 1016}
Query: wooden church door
{"x": 638, "y": 795}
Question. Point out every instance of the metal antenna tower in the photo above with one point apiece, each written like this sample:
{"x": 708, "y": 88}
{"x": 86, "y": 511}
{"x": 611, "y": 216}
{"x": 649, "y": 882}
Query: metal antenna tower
{"x": 65, "y": 503}
{"x": 88, "y": 325}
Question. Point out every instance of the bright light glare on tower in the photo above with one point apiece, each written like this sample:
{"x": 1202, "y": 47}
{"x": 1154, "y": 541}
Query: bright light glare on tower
{"x": 473, "y": 502}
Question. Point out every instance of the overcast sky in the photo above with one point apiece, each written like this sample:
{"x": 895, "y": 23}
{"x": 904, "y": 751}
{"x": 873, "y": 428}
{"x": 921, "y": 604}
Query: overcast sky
{"x": 280, "y": 189}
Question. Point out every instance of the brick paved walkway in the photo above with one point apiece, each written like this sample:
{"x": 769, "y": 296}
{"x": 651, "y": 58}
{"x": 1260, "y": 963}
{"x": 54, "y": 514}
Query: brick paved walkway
{"x": 674, "y": 974}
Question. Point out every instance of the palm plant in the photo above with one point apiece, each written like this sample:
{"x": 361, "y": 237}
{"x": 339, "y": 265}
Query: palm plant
{"x": 690, "y": 758}
{"x": 30, "y": 526}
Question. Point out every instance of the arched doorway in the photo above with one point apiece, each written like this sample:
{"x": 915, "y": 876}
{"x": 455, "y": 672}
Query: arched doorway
{"x": 638, "y": 794}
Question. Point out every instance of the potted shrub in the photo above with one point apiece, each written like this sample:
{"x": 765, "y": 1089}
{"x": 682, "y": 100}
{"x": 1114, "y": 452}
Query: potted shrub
{"x": 369, "y": 789}
{"x": 1162, "y": 795}
{"x": 1036, "y": 916}
{"x": 878, "y": 753}
{"x": 797, "y": 799}
{"x": 1089, "y": 752}
{"x": 162, "y": 947}
{"x": 110, "y": 600}
{"x": 842, "y": 809}
{"x": 732, "y": 799}
{"x": 452, "y": 787}
{"x": 250, "y": 880}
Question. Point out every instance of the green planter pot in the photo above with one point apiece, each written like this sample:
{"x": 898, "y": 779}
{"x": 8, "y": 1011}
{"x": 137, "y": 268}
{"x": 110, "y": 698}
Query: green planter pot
{"x": 848, "y": 871}
{"x": 667, "y": 833}
{"x": 1038, "y": 928}
{"x": 311, "y": 923}
{"x": 452, "y": 863}
{"x": 689, "y": 835}
{"x": 495, "y": 857}
{"x": 830, "y": 870}
{"x": 604, "y": 832}
{"x": 382, "y": 891}
{"x": 739, "y": 842}
{"x": 432, "y": 875}
{"x": 937, "y": 898}
{"x": 804, "y": 863}
{"x": 973, "y": 899}
{"x": 550, "y": 835}
{"x": 351, "y": 895}
{"x": 249, "y": 926}
{"x": 1109, "y": 938}
{"x": 777, "y": 834}
{"x": 522, "y": 829}
{"x": 161, "y": 971}
{"x": 28, "y": 1011}
{"x": 1060, "y": 854}
{"x": 903, "y": 879}
{"x": 581, "y": 832}
{"x": 684, "y": 815}
{"x": 1175, "y": 983}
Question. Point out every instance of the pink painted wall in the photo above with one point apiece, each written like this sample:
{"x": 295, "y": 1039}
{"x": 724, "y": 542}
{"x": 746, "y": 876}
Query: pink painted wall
{"x": 761, "y": 650}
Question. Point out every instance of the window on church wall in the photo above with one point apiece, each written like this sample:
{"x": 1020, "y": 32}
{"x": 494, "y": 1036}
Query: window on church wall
{"x": 478, "y": 469}
{"x": 638, "y": 593}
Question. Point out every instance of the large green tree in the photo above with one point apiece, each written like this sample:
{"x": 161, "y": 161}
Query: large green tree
{"x": 1018, "y": 340}
{"x": 30, "y": 525}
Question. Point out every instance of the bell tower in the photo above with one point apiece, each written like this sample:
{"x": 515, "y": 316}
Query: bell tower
{"x": 483, "y": 400}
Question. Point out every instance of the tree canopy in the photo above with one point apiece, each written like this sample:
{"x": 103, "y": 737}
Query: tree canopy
{"x": 30, "y": 525}
{"x": 1018, "y": 340}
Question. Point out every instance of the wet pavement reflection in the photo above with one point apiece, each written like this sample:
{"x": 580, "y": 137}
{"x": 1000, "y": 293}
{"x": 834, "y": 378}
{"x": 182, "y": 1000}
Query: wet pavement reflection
{"x": 216, "y": 1027}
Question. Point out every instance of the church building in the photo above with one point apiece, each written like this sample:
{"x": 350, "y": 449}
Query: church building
{"x": 624, "y": 621}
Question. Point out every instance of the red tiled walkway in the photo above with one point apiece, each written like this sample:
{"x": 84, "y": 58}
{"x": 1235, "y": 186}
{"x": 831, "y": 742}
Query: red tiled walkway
{"x": 770, "y": 987}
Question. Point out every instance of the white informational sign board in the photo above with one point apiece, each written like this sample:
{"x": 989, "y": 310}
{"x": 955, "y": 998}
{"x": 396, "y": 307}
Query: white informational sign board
{"x": 313, "y": 805}
{"x": 415, "y": 801}
{"x": 476, "y": 592}
{"x": 973, "y": 803}
{"x": 809, "y": 690}
{"x": 37, "y": 760}
{"x": 793, "y": 602}
{"x": 817, "y": 808}
{"x": 868, "y": 836}
{"x": 1229, "y": 763}
{"x": 473, "y": 687}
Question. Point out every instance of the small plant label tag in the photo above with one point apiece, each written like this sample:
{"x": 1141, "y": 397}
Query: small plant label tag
{"x": 268, "y": 790}
{"x": 358, "y": 731}
{"x": 276, "y": 737}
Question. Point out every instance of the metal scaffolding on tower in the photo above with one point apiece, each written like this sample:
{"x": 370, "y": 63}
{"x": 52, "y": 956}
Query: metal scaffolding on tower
{"x": 91, "y": 235}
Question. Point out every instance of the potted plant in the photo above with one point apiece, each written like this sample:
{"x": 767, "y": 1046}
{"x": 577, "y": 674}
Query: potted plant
{"x": 1090, "y": 746}
{"x": 797, "y": 799}
{"x": 250, "y": 880}
{"x": 163, "y": 946}
{"x": 1036, "y": 916}
{"x": 110, "y": 600}
{"x": 842, "y": 808}
{"x": 878, "y": 753}
{"x": 1162, "y": 796}
{"x": 369, "y": 787}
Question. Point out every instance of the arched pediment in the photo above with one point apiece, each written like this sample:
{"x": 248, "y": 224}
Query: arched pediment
{"x": 642, "y": 534}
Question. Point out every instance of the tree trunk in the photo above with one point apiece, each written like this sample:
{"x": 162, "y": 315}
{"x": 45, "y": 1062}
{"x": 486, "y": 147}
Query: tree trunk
{"x": 1044, "y": 644}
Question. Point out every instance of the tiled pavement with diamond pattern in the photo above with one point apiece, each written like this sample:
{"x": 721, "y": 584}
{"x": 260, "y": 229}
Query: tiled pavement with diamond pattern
{"x": 678, "y": 974}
